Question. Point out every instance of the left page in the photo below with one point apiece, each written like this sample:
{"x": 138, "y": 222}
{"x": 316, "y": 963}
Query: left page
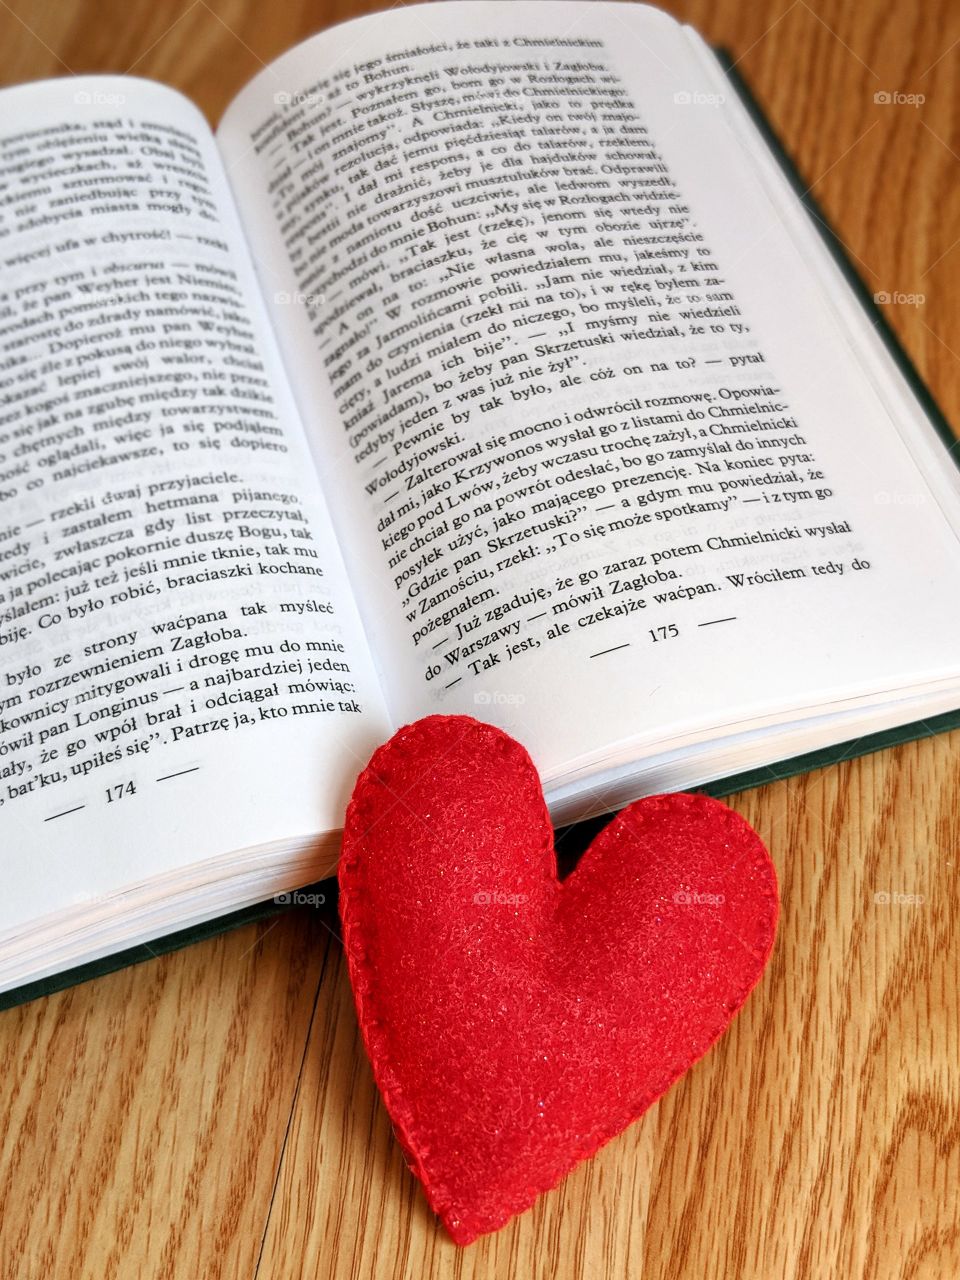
{"x": 183, "y": 672}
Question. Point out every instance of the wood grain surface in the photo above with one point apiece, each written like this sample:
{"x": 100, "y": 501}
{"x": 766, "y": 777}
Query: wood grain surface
{"x": 211, "y": 1113}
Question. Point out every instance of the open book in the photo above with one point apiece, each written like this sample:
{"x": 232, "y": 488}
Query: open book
{"x": 482, "y": 362}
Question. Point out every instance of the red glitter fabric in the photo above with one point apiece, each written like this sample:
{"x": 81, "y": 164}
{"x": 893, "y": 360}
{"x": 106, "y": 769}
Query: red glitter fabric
{"x": 516, "y": 1023}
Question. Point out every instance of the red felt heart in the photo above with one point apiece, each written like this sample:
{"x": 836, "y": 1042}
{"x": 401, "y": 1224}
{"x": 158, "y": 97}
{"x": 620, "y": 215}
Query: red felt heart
{"x": 516, "y": 1023}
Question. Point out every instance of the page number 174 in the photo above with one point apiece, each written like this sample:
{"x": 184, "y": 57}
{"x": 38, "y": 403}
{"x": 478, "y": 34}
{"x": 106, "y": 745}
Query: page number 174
{"x": 120, "y": 790}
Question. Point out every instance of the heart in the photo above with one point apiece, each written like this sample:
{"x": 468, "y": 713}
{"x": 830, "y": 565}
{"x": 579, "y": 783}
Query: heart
{"x": 515, "y": 1023}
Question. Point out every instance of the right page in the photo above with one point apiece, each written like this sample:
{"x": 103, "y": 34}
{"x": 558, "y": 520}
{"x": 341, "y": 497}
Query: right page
{"x": 611, "y": 470}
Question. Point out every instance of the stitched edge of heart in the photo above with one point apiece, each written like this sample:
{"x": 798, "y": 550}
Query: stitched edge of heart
{"x": 372, "y": 1027}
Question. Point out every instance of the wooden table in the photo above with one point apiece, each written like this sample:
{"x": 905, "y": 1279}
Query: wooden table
{"x": 212, "y": 1113}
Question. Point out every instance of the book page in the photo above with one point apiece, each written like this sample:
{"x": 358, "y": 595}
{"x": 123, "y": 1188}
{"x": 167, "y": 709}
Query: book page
{"x": 608, "y": 471}
{"x": 182, "y": 668}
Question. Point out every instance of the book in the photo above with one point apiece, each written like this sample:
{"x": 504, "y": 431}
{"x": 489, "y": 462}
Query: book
{"x": 437, "y": 379}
